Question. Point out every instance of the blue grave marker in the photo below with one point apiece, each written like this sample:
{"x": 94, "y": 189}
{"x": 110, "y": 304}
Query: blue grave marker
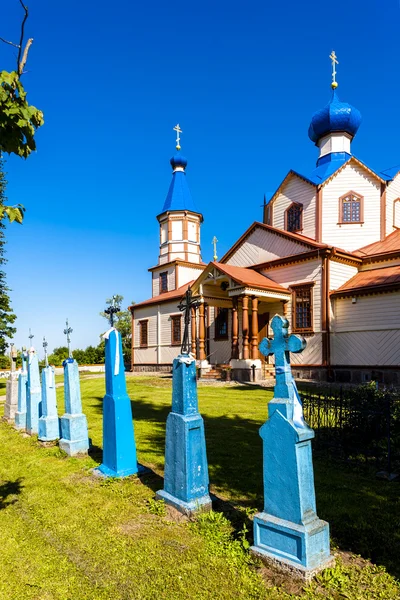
{"x": 186, "y": 468}
{"x": 33, "y": 393}
{"x": 20, "y": 415}
{"x": 74, "y": 430}
{"x": 288, "y": 532}
{"x": 119, "y": 449}
{"x": 49, "y": 426}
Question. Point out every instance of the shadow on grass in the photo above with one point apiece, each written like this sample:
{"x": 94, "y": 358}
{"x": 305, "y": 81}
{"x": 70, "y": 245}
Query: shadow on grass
{"x": 364, "y": 513}
{"x": 8, "y": 491}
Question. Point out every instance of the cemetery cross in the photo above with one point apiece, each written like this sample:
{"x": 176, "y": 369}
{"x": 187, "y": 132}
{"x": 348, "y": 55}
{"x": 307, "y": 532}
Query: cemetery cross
{"x": 112, "y": 310}
{"x": 45, "y": 344}
{"x": 67, "y": 331}
{"x": 186, "y": 307}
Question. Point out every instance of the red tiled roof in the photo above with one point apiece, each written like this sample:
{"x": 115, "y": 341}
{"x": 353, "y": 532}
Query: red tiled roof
{"x": 374, "y": 279}
{"x": 249, "y": 278}
{"x": 390, "y": 244}
{"x": 166, "y": 297}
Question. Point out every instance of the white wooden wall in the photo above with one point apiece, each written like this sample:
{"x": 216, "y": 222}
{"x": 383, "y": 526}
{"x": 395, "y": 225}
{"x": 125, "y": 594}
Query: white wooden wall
{"x": 351, "y": 236}
{"x": 156, "y": 280}
{"x": 392, "y": 193}
{"x": 339, "y": 273}
{"x": 262, "y": 246}
{"x": 186, "y": 274}
{"x": 296, "y": 190}
{"x": 367, "y": 333}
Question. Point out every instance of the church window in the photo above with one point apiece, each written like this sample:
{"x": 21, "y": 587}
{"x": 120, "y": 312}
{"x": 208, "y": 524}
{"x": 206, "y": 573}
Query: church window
{"x": 396, "y": 213}
{"x": 302, "y": 308}
{"x": 221, "y": 324}
{"x": 176, "y": 330}
{"x": 163, "y": 282}
{"x": 143, "y": 335}
{"x": 294, "y": 217}
{"x": 351, "y": 208}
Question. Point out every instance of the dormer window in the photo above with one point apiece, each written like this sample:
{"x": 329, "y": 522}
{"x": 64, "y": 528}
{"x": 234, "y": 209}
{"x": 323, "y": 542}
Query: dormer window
{"x": 351, "y": 208}
{"x": 294, "y": 217}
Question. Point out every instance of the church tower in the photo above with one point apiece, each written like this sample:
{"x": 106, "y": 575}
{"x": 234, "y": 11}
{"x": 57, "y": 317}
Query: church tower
{"x": 179, "y": 259}
{"x": 334, "y": 126}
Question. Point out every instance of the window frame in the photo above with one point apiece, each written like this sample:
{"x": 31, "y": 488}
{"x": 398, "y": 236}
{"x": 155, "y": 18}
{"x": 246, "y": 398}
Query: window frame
{"x": 341, "y": 201}
{"x": 394, "y": 213}
{"x": 217, "y": 335}
{"x": 163, "y": 291}
{"x": 292, "y": 205}
{"x": 295, "y": 289}
{"x": 176, "y": 318}
{"x": 141, "y": 324}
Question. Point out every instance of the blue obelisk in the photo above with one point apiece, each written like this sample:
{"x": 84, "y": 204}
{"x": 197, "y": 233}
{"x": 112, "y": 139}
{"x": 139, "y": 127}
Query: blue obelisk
{"x": 20, "y": 415}
{"x": 49, "y": 427}
{"x": 186, "y": 468}
{"x": 288, "y": 532}
{"x": 119, "y": 449}
{"x": 33, "y": 393}
{"x": 74, "y": 430}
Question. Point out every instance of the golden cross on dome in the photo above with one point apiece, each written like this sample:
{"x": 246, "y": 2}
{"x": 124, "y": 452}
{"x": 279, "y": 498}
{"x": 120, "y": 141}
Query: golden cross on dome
{"x": 335, "y": 62}
{"x": 178, "y": 139}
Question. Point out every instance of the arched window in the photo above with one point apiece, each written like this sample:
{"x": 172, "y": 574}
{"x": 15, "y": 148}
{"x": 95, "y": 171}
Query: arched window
{"x": 396, "y": 213}
{"x": 294, "y": 217}
{"x": 351, "y": 208}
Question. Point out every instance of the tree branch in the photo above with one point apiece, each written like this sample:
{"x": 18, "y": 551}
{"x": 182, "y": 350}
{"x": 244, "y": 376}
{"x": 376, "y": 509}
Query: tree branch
{"x": 24, "y": 57}
{"x": 21, "y": 41}
{"x": 7, "y": 42}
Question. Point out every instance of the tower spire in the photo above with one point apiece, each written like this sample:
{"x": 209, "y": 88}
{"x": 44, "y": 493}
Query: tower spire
{"x": 335, "y": 62}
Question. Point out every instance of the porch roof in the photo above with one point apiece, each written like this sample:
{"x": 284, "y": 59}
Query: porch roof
{"x": 372, "y": 281}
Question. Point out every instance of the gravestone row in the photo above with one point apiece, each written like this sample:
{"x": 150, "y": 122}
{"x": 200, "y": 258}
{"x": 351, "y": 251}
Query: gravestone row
{"x": 287, "y": 532}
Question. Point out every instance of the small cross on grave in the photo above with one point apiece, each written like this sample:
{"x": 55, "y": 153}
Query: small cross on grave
{"x": 112, "y": 310}
{"x": 30, "y": 336}
{"x": 281, "y": 345}
{"x": 186, "y": 306}
{"x": 67, "y": 331}
{"x": 45, "y": 344}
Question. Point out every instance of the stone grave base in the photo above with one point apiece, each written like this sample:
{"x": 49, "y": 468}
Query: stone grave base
{"x": 74, "y": 438}
{"x": 103, "y": 471}
{"x": 75, "y": 447}
{"x": 49, "y": 429}
{"x": 301, "y": 550}
{"x": 20, "y": 420}
{"x": 11, "y": 405}
{"x": 202, "y": 504}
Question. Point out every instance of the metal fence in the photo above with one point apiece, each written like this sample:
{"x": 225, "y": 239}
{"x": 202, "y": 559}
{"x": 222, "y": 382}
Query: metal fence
{"x": 360, "y": 424}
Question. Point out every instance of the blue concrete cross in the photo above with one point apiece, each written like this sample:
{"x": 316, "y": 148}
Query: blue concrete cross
{"x": 281, "y": 345}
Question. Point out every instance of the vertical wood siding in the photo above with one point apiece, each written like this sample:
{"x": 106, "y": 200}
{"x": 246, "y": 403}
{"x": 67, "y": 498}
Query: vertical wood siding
{"x": 186, "y": 274}
{"x": 351, "y": 236}
{"x": 261, "y": 246}
{"x": 392, "y": 193}
{"x": 296, "y": 190}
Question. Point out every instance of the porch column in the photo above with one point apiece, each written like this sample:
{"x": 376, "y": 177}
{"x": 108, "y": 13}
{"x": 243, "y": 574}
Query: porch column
{"x": 193, "y": 331}
{"x": 202, "y": 332}
{"x": 245, "y": 309}
{"x": 254, "y": 328}
{"x": 284, "y": 307}
{"x": 235, "y": 329}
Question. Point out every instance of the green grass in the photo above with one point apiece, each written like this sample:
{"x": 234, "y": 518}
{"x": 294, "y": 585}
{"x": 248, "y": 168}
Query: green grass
{"x": 67, "y": 535}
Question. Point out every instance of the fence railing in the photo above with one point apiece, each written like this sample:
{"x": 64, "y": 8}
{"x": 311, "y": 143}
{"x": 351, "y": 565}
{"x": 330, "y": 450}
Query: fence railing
{"x": 359, "y": 424}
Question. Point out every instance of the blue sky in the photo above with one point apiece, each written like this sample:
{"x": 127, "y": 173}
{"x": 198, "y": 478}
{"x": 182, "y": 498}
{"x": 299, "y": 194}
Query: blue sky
{"x": 242, "y": 79}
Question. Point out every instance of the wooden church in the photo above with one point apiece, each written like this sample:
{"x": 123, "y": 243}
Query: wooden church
{"x": 326, "y": 256}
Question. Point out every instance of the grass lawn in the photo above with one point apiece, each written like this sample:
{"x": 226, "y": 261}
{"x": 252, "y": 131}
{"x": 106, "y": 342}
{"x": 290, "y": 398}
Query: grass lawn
{"x": 67, "y": 535}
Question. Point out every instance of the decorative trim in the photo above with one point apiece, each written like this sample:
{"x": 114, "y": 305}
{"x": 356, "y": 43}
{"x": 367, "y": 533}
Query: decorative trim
{"x": 183, "y": 263}
{"x": 383, "y": 211}
{"x": 318, "y": 215}
{"x": 256, "y": 292}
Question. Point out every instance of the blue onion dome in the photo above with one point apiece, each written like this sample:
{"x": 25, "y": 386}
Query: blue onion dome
{"x": 178, "y": 161}
{"x": 335, "y": 116}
